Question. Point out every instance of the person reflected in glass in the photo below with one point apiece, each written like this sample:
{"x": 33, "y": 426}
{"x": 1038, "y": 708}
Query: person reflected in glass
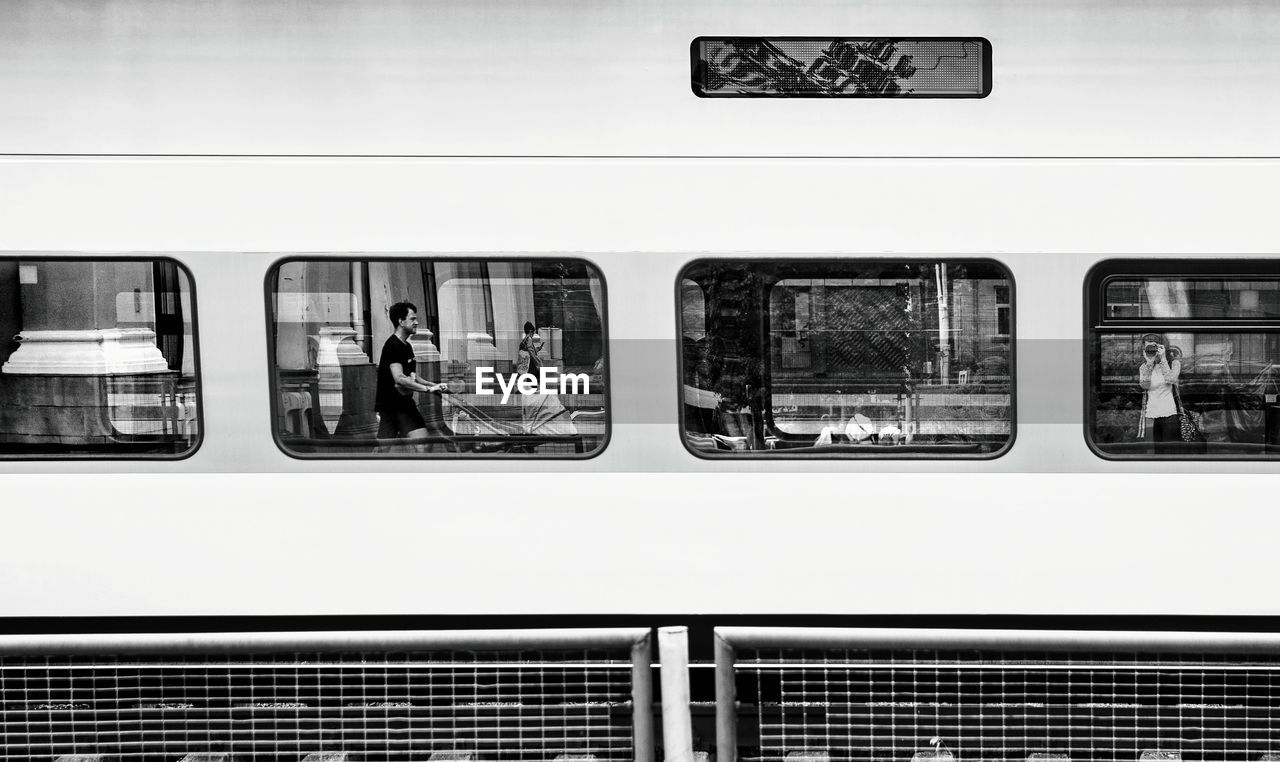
{"x": 398, "y": 416}
{"x": 528, "y": 360}
{"x": 1157, "y": 375}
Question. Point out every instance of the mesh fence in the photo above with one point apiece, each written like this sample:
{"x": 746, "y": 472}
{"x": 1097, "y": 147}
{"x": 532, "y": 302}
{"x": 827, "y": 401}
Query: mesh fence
{"x": 931, "y": 706}
{"x": 455, "y": 705}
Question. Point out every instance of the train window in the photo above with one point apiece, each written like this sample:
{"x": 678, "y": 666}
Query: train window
{"x": 888, "y": 358}
{"x": 97, "y": 358}
{"x": 438, "y": 357}
{"x": 1184, "y": 359}
{"x": 1158, "y": 298}
{"x": 844, "y": 67}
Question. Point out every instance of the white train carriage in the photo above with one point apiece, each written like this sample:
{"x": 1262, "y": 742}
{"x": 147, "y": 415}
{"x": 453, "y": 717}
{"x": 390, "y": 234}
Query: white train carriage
{"x": 872, "y": 311}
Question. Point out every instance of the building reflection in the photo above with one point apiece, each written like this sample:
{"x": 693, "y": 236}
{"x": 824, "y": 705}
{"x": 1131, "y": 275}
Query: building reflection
{"x": 97, "y": 358}
{"x": 331, "y": 318}
{"x": 847, "y": 357}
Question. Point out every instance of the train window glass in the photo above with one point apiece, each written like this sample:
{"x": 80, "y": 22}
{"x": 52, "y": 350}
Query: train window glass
{"x": 843, "y": 67}
{"x": 438, "y": 357}
{"x": 693, "y": 311}
{"x": 847, "y": 358}
{"x": 97, "y": 358}
{"x": 1184, "y": 359}
{"x": 1193, "y": 298}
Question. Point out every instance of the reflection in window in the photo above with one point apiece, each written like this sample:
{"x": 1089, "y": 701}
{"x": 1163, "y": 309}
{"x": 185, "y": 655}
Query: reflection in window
{"x": 841, "y": 67}
{"x": 1004, "y": 312}
{"x": 97, "y": 359}
{"x": 439, "y": 357}
{"x": 1192, "y": 298}
{"x": 1171, "y": 375}
{"x": 872, "y": 358}
{"x": 693, "y": 311}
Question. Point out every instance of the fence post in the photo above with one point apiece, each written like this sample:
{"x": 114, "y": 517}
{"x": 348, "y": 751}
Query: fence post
{"x": 726, "y": 702}
{"x": 642, "y": 698}
{"x": 677, "y": 722}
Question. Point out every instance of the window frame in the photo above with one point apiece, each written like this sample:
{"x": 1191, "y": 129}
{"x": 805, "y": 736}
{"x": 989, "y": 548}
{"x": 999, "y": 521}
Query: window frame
{"x": 1004, "y": 307}
{"x": 270, "y": 280}
{"x": 895, "y": 452}
{"x": 1096, "y": 322}
{"x": 197, "y": 370}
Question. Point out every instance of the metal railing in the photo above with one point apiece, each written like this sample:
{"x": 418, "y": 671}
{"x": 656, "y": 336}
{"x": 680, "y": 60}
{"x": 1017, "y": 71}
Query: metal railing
{"x": 957, "y": 695}
{"x": 786, "y": 694}
{"x": 462, "y": 695}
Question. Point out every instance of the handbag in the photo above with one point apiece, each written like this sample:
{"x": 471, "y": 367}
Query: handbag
{"x": 1188, "y": 420}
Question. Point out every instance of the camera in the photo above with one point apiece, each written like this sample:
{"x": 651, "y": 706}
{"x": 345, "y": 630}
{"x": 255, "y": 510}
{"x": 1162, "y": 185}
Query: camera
{"x": 1150, "y": 349}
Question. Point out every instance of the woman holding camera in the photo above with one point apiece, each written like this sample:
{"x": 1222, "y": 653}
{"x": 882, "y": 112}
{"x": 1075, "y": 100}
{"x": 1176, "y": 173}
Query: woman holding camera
{"x": 1157, "y": 376}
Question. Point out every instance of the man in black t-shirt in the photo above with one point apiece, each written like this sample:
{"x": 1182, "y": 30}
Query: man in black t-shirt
{"x": 398, "y": 416}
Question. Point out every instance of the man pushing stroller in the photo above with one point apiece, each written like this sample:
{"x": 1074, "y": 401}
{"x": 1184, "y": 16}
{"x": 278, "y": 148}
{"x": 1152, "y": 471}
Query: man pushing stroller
{"x": 398, "y": 416}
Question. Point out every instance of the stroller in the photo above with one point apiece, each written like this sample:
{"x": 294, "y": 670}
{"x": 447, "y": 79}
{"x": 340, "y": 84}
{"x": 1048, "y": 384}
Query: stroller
{"x": 540, "y": 419}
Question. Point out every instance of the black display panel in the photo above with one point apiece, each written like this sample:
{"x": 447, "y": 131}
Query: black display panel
{"x": 841, "y": 67}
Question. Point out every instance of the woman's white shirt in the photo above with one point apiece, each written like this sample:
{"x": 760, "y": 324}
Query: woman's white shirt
{"x": 1160, "y": 389}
